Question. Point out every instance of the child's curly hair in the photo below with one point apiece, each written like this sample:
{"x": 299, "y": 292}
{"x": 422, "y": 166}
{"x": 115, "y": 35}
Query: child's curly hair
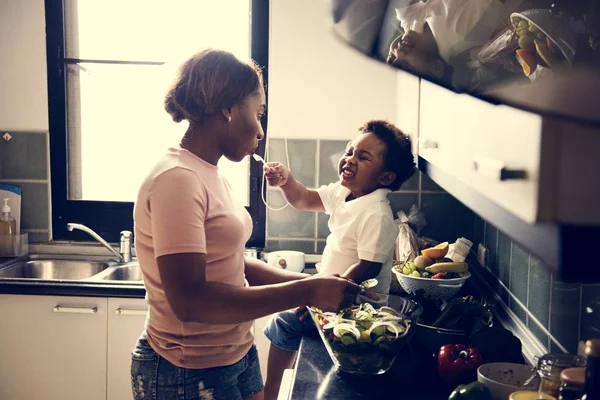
{"x": 398, "y": 157}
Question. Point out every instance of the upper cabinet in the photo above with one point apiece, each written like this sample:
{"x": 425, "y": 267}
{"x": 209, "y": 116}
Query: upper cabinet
{"x": 537, "y": 55}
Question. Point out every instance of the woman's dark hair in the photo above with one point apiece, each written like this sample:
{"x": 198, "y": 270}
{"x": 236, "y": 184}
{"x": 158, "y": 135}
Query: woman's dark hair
{"x": 208, "y": 82}
{"x": 398, "y": 157}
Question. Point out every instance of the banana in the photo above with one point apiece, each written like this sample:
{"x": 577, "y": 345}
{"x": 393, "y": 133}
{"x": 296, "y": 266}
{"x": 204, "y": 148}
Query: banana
{"x": 448, "y": 267}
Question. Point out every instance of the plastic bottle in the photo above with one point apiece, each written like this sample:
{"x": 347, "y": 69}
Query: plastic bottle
{"x": 8, "y": 225}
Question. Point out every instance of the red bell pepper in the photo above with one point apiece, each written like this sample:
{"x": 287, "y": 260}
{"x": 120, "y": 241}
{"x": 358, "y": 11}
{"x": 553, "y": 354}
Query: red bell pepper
{"x": 457, "y": 363}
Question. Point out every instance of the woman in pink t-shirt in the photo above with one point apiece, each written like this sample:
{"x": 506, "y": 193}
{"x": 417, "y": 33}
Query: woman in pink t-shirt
{"x": 203, "y": 294}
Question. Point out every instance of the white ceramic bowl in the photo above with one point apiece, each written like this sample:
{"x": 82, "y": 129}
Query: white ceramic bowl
{"x": 287, "y": 259}
{"x": 437, "y": 289}
{"x": 502, "y": 379}
{"x": 556, "y": 27}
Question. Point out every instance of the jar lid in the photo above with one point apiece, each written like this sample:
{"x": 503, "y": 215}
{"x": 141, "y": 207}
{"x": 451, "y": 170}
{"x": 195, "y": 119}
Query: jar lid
{"x": 592, "y": 348}
{"x": 530, "y": 395}
{"x": 573, "y": 376}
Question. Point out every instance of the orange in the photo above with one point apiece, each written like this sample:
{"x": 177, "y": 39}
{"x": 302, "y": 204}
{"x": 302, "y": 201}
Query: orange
{"x": 437, "y": 252}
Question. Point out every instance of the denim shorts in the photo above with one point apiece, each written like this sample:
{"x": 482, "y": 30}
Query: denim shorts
{"x": 154, "y": 378}
{"x": 285, "y": 330}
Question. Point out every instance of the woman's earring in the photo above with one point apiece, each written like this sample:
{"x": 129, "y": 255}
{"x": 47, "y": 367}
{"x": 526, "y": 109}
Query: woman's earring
{"x": 229, "y": 118}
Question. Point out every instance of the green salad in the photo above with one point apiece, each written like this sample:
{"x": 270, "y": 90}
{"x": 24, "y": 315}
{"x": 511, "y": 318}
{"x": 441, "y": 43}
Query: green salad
{"x": 363, "y": 339}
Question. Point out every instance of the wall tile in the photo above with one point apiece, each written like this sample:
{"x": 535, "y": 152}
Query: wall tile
{"x": 412, "y": 183}
{"x": 402, "y": 201}
{"x": 330, "y": 152}
{"x": 428, "y": 184}
{"x": 38, "y": 237}
{"x": 288, "y": 222}
{"x": 491, "y": 243}
{"x": 447, "y": 218}
{"x": 34, "y": 205}
{"x": 479, "y": 236}
{"x": 564, "y": 314}
{"x": 302, "y": 156}
{"x": 306, "y": 246}
{"x": 323, "y": 229}
{"x": 590, "y": 310}
{"x": 24, "y": 156}
{"x": 321, "y": 246}
{"x": 519, "y": 278}
{"x": 539, "y": 296}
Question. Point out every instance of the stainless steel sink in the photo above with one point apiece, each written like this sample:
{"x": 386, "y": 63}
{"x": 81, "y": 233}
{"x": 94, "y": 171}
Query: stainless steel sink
{"x": 124, "y": 273}
{"x": 59, "y": 269}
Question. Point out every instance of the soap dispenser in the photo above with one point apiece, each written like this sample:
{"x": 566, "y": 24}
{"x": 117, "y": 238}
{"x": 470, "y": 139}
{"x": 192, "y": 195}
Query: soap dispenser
{"x": 8, "y": 225}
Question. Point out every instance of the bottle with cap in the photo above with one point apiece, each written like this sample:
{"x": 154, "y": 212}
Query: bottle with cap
{"x": 592, "y": 370}
{"x": 572, "y": 381}
{"x": 8, "y": 227}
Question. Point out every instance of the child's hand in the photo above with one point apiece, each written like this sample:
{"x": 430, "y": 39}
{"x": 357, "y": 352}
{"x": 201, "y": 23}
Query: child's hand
{"x": 301, "y": 312}
{"x": 276, "y": 173}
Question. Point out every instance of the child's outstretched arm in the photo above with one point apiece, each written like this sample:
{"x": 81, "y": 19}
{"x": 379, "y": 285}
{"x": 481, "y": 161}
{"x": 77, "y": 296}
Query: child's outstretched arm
{"x": 363, "y": 270}
{"x": 301, "y": 198}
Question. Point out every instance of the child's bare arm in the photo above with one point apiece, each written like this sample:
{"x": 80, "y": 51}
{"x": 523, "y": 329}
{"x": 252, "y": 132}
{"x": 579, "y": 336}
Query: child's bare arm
{"x": 363, "y": 270}
{"x": 294, "y": 192}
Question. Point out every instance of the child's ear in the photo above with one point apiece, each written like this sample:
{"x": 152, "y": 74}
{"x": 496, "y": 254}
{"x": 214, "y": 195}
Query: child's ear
{"x": 387, "y": 178}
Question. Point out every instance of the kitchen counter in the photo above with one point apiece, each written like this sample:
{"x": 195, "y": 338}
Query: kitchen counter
{"x": 81, "y": 288}
{"x": 411, "y": 377}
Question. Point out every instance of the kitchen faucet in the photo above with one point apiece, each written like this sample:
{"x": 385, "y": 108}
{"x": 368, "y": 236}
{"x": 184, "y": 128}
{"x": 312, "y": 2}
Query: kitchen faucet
{"x": 124, "y": 253}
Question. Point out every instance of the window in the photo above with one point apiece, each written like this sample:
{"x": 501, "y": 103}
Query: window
{"x": 109, "y": 65}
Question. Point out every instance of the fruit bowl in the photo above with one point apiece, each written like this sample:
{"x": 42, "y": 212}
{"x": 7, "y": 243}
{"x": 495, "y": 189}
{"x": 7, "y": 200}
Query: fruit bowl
{"x": 435, "y": 289}
{"x": 366, "y": 339}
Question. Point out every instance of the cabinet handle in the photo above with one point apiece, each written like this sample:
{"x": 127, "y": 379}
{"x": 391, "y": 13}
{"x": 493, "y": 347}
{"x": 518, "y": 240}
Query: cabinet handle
{"x": 430, "y": 144}
{"x": 125, "y": 311}
{"x": 496, "y": 170}
{"x": 76, "y": 310}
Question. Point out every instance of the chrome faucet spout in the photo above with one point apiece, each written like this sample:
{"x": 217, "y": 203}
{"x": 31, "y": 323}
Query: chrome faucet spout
{"x": 120, "y": 258}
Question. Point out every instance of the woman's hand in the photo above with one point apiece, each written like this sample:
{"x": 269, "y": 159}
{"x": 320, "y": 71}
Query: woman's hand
{"x": 330, "y": 292}
{"x": 276, "y": 173}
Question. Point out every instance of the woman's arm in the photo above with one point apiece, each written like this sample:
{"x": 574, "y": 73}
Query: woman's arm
{"x": 192, "y": 298}
{"x": 259, "y": 273}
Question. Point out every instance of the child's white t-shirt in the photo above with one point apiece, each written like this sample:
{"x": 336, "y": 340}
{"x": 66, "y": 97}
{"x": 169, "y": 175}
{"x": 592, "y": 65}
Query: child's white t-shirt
{"x": 457, "y": 25}
{"x": 361, "y": 229}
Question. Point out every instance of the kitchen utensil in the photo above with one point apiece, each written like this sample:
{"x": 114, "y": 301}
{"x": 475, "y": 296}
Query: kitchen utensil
{"x": 287, "y": 259}
{"x": 259, "y": 158}
{"x": 435, "y": 289}
{"x": 368, "y": 284}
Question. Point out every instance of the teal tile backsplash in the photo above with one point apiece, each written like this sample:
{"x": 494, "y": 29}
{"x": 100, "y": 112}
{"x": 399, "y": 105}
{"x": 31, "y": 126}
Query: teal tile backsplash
{"x": 554, "y": 311}
{"x": 24, "y": 162}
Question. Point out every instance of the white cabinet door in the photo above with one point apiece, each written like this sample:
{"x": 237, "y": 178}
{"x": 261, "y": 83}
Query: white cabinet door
{"x": 52, "y": 348}
{"x": 126, "y": 321}
{"x": 262, "y": 343}
{"x": 407, "y": 106}
{"x": 439, "y": 126}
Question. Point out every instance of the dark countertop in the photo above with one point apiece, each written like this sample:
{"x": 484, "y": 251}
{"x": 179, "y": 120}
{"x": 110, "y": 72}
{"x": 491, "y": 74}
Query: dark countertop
{"x": 79, "y": 288}
{"x": 412, "y": 377}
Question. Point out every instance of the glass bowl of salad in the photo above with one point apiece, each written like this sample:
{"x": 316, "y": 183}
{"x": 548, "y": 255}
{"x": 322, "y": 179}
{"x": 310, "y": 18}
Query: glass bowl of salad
{"x": 365, "y": 339}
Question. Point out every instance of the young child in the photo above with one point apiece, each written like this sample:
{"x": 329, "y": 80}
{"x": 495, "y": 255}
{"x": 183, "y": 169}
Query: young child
{"x": 361, "y": 244}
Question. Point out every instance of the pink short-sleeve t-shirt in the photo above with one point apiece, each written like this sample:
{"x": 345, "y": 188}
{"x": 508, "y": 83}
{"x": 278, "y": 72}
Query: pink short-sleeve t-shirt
{"x": 186, "y": 206}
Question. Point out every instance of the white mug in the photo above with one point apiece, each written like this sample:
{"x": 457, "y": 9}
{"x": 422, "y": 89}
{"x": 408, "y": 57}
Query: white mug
{"x": 287, "y": 259}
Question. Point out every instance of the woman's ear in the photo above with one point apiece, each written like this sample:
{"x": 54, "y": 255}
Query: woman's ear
{"x": 226, "y": 114}
{"x": 387, "y": 178}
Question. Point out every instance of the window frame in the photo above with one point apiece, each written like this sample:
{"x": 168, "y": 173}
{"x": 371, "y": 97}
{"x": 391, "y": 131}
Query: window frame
{"x": 109, "y": 218}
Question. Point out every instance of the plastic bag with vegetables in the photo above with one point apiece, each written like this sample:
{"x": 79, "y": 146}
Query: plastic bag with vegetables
{"x": 407, "y": 246}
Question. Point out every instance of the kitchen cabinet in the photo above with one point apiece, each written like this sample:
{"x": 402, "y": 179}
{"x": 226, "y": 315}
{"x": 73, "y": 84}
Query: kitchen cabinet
{"x": 530, "y": 175}
{"x": 68, "y": 347}
{"x": 262, "y": 343}
{"x": 53, "y": 348}
{"x": 407, "y": 106}
{"x": 126, "y": 321}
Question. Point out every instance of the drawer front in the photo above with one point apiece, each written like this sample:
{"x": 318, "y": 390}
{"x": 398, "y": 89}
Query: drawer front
{"x": 498, "y": 154}
{"x": 438, "y": 126}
